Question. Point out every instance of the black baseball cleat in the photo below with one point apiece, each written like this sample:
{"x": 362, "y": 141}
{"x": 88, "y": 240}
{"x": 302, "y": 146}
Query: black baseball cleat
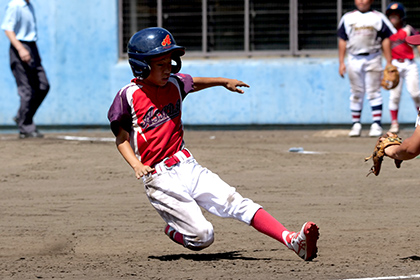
{"x": 34, "y": 134}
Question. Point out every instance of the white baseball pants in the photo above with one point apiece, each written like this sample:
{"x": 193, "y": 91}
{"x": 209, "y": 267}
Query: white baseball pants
{"x": 365, "y": 78}
{"x": 178, "y": 193}
{"x": 410, "y": 75}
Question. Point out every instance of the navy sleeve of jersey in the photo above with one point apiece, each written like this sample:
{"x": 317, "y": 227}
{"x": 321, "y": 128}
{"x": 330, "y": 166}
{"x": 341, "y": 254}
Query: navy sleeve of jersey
{"x": 185, "y": 82}
{"x": 119, "y": 113}
{"x": 341, "y": 32}
{"x": 385, "y": 32}
{"x": 181, "y": 87}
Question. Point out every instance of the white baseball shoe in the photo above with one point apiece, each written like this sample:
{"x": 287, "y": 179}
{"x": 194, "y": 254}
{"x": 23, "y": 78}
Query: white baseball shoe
{"x": 395, "y": 127}
{"x": 375, "y": 130}
{"x": 356, "y": 130}
{"x": 303, "y": 243}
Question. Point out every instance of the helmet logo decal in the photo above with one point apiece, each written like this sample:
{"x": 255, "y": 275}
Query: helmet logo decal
{"x": 395, "y": 6}
{"x": 166, "y": 41}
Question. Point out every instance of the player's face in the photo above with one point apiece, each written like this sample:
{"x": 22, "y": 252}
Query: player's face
{"x": 395, "y": 19}
{"x": 363, "y": 5}
{"x": 161, "y": 70}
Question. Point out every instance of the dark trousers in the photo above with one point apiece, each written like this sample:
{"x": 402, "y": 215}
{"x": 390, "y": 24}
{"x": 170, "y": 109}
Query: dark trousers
{"x": 32, "y": 85}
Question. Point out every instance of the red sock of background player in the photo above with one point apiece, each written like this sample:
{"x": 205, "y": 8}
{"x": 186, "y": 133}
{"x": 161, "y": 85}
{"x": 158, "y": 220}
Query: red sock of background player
{"x": 394, "y": 115}
{"x": 267, "y": 224}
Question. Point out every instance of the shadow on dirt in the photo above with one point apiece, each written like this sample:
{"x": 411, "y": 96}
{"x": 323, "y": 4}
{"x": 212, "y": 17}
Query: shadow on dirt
{"x": 411, "y": 258}
{"x": 234, "y": 255}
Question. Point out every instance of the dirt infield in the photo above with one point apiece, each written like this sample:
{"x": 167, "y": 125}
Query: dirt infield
{"x": 72, "y": 209}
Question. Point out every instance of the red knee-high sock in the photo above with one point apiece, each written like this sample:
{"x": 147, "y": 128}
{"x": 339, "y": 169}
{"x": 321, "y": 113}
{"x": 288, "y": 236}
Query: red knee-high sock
{"x": 267, "y": 224}
{"x": 174, "y": 235}
{"x": 394, "y": 115}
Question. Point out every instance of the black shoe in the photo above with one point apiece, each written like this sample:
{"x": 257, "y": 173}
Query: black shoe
{"x": 35, "y": 134}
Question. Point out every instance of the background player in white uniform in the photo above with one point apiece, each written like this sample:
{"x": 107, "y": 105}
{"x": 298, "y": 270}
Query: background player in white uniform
{"x": 146, "y": 120}
{"x": 403, "y": 59}
{"x": 410, "y": 148}
{"x": 363, "y": 33}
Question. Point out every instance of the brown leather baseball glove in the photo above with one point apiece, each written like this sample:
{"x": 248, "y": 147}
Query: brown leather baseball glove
{"x": 391, "y": 77}
{"x": 379, "y": 152}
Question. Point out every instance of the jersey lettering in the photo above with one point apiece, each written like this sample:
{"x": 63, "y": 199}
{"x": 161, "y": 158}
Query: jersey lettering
{"x": 155, "y": 117}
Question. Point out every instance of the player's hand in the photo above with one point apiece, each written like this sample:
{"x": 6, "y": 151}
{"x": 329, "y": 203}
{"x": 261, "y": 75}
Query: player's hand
{"x": 232, "y": 85}
{"x": 390, "y": 150}
{"x": 342, "y": 69}
{"x": 142, "y": 170}
{"x": 24, "y": 55}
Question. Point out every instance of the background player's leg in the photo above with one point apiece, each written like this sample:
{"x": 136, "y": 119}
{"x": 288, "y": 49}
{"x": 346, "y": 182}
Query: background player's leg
{"x": 357, "y": 89}
{"x": 412, "y": 82}
{"x": 394, "y": 101}
{"x": 375, "y": 101}
{"x": 373, "y": 91}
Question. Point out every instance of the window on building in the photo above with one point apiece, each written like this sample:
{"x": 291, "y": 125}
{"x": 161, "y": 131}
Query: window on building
{"x": 184, "y": 20}
{"x": 269, "y": 25}
{"x": 246, "y": 27}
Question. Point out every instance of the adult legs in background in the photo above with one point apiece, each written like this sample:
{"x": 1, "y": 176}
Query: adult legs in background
{"x": 32, "y": 85}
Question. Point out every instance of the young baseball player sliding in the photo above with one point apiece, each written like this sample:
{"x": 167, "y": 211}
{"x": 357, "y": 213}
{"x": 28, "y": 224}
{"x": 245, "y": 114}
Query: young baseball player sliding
{"x": 145, "y": 117}
{"x": 363, "y": 33}
{"x": 403, "y": 59}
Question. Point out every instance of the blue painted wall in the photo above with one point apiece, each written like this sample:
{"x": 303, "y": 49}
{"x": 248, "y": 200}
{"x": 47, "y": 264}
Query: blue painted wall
{"x": 78, "y": 42}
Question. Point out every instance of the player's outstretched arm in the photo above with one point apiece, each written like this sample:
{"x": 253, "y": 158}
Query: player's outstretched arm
{"x": 123, "y": 145}
{"x": 231, "y": 84}
{"x": 409, "y": 149}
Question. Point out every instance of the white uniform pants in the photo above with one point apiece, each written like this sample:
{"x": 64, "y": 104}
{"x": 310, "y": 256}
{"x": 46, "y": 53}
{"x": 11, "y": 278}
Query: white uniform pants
{"x": 178, "y": 193}
{"x": 365, "y": 78}
{"x": 410, "y": 75}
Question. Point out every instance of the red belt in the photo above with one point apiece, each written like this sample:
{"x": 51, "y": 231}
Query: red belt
{"x": 171, "y": 161}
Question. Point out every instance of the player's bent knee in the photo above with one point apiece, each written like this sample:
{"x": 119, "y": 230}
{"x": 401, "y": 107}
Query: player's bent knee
{"x": 203, "y": 239}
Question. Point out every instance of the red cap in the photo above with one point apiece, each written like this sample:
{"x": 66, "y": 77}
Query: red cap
{"x": 413, "y": 40}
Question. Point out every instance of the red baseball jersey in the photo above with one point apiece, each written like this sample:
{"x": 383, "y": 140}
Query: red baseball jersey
{"x": 400, "y": 48}
{"x": 152, "y": 116}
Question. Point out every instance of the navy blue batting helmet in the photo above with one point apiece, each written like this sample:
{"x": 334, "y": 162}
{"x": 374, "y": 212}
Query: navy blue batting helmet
{"x": 148, "y": 43}
{"x": 396, "y": 7}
